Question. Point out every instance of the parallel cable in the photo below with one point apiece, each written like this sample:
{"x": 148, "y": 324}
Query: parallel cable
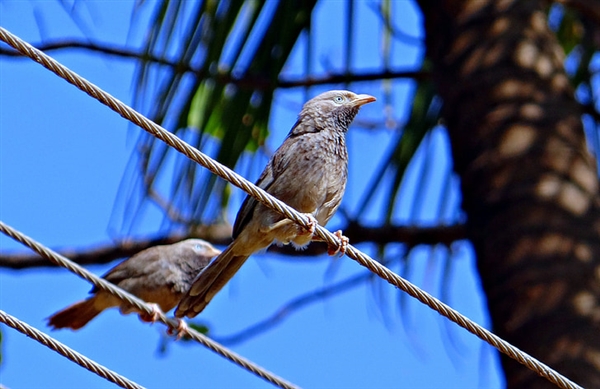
{"x": 142, "y": 306}
{"x": 67, "y": 352}
{"x": 277, "y": 205}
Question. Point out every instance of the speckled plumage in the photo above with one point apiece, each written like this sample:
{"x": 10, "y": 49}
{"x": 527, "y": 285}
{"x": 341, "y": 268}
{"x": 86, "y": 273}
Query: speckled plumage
{"x": 159, "y": 274}
{"x": 308, "y": 172}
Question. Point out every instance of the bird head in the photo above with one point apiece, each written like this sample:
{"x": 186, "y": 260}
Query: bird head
{"x": 336, "y": 107}
{"x": 199, "y": 248}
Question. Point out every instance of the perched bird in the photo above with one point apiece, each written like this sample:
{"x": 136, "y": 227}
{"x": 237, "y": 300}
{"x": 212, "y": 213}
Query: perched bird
{"x": 159, "y": 275}
{"x": 308, "y": 172}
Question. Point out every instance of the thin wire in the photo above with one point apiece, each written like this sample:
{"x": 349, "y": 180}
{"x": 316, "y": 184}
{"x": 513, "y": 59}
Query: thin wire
{"x": 275, "y": 204}
{"x": 67, "y": 352}
{"x": 139, "y": 304}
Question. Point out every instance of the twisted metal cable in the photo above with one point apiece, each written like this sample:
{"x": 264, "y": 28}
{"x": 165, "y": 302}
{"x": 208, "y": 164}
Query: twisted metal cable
{"x": 273, "y": 203}
{"x": 142, "y": 306}
{"x": 67, "y": 352}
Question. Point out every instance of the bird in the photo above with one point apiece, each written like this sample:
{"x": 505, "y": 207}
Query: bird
{"x": 307, "y": 172}
{"x": 159, "y": 275}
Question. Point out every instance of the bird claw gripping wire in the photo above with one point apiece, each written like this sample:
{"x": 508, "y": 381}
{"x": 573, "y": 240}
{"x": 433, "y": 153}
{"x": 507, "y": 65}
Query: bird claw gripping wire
{"x": 342, "y": 246}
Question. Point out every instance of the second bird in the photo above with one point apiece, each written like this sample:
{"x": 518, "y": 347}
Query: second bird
{"x": 307, "y": 172}
{"x": 159, "y": 275}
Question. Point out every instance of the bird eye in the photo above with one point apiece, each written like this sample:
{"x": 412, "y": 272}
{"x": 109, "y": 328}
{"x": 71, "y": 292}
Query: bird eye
{"x": 198, "y": 247}
{"x": 339, "y": 99}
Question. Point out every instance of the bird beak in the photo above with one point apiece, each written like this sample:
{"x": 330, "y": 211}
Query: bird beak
{"x": 361, "y": 100}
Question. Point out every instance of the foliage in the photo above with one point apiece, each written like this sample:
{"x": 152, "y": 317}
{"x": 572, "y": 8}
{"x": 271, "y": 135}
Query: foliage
{"x": 237, "y": 49}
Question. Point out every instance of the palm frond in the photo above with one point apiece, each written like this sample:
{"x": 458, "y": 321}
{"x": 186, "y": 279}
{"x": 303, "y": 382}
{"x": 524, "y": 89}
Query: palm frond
{"x": 239, "y": 47}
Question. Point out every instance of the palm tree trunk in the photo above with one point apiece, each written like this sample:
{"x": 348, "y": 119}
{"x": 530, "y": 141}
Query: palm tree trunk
{"x": 529, "y": 184}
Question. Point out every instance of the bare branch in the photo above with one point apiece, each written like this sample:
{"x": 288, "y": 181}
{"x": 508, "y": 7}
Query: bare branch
{"x": 105, "y": 253}
{"x": 247, "y": 81}
{"x": 411, "y": 235}
{"x": 587, "y": 8}
{"x": 89, "y": 46}
{"x": 591, "y": 110}
{"x": 293, "y": 305}
{"x": 340, "y": 78}
{"x": 220, "y": 234}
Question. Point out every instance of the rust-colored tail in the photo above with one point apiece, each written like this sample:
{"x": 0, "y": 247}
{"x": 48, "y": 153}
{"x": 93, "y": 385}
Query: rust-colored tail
{"x": 75, "y": 316}
{"x": 209, "y": 282}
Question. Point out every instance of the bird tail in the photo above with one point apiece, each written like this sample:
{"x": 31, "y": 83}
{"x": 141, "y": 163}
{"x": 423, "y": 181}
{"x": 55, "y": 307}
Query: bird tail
{"x": 209, "y": 282}
{"x": 75, "y": 316}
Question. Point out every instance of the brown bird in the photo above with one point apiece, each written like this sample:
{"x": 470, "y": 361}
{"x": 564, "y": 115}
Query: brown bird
{"x": 159, "y": 275}
{"x": 308, "y": 172}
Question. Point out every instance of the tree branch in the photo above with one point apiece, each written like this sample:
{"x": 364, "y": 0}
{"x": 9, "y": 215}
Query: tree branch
{"x": 247, "y": 81}
{"x": 220, "y": 234}
{"x": 290, "y": 307}
{"x": 587, "y": 8}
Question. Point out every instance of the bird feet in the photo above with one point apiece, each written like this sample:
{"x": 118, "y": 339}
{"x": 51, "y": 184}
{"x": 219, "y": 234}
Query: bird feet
{"x": 180, "y": 331}
{"x": 312, "y": 225}
{"x": 151, "y": 317}
{"x": 343, "y": 242}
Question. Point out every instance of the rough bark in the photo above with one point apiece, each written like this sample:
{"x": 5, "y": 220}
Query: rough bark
{"x": 529, "y": 184}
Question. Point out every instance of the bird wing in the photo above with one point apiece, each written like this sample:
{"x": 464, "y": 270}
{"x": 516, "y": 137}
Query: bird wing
{"x": 247, "y": 209}
{"x": 134, "y": 267}
{"x": 279, "y": 163}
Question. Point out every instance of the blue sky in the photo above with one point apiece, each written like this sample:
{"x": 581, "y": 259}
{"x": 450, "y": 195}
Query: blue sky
{"x": 62, "y": 156}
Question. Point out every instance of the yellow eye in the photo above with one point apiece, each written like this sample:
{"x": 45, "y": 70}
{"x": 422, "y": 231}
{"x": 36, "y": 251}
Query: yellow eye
{"x": 339, "y": 99}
